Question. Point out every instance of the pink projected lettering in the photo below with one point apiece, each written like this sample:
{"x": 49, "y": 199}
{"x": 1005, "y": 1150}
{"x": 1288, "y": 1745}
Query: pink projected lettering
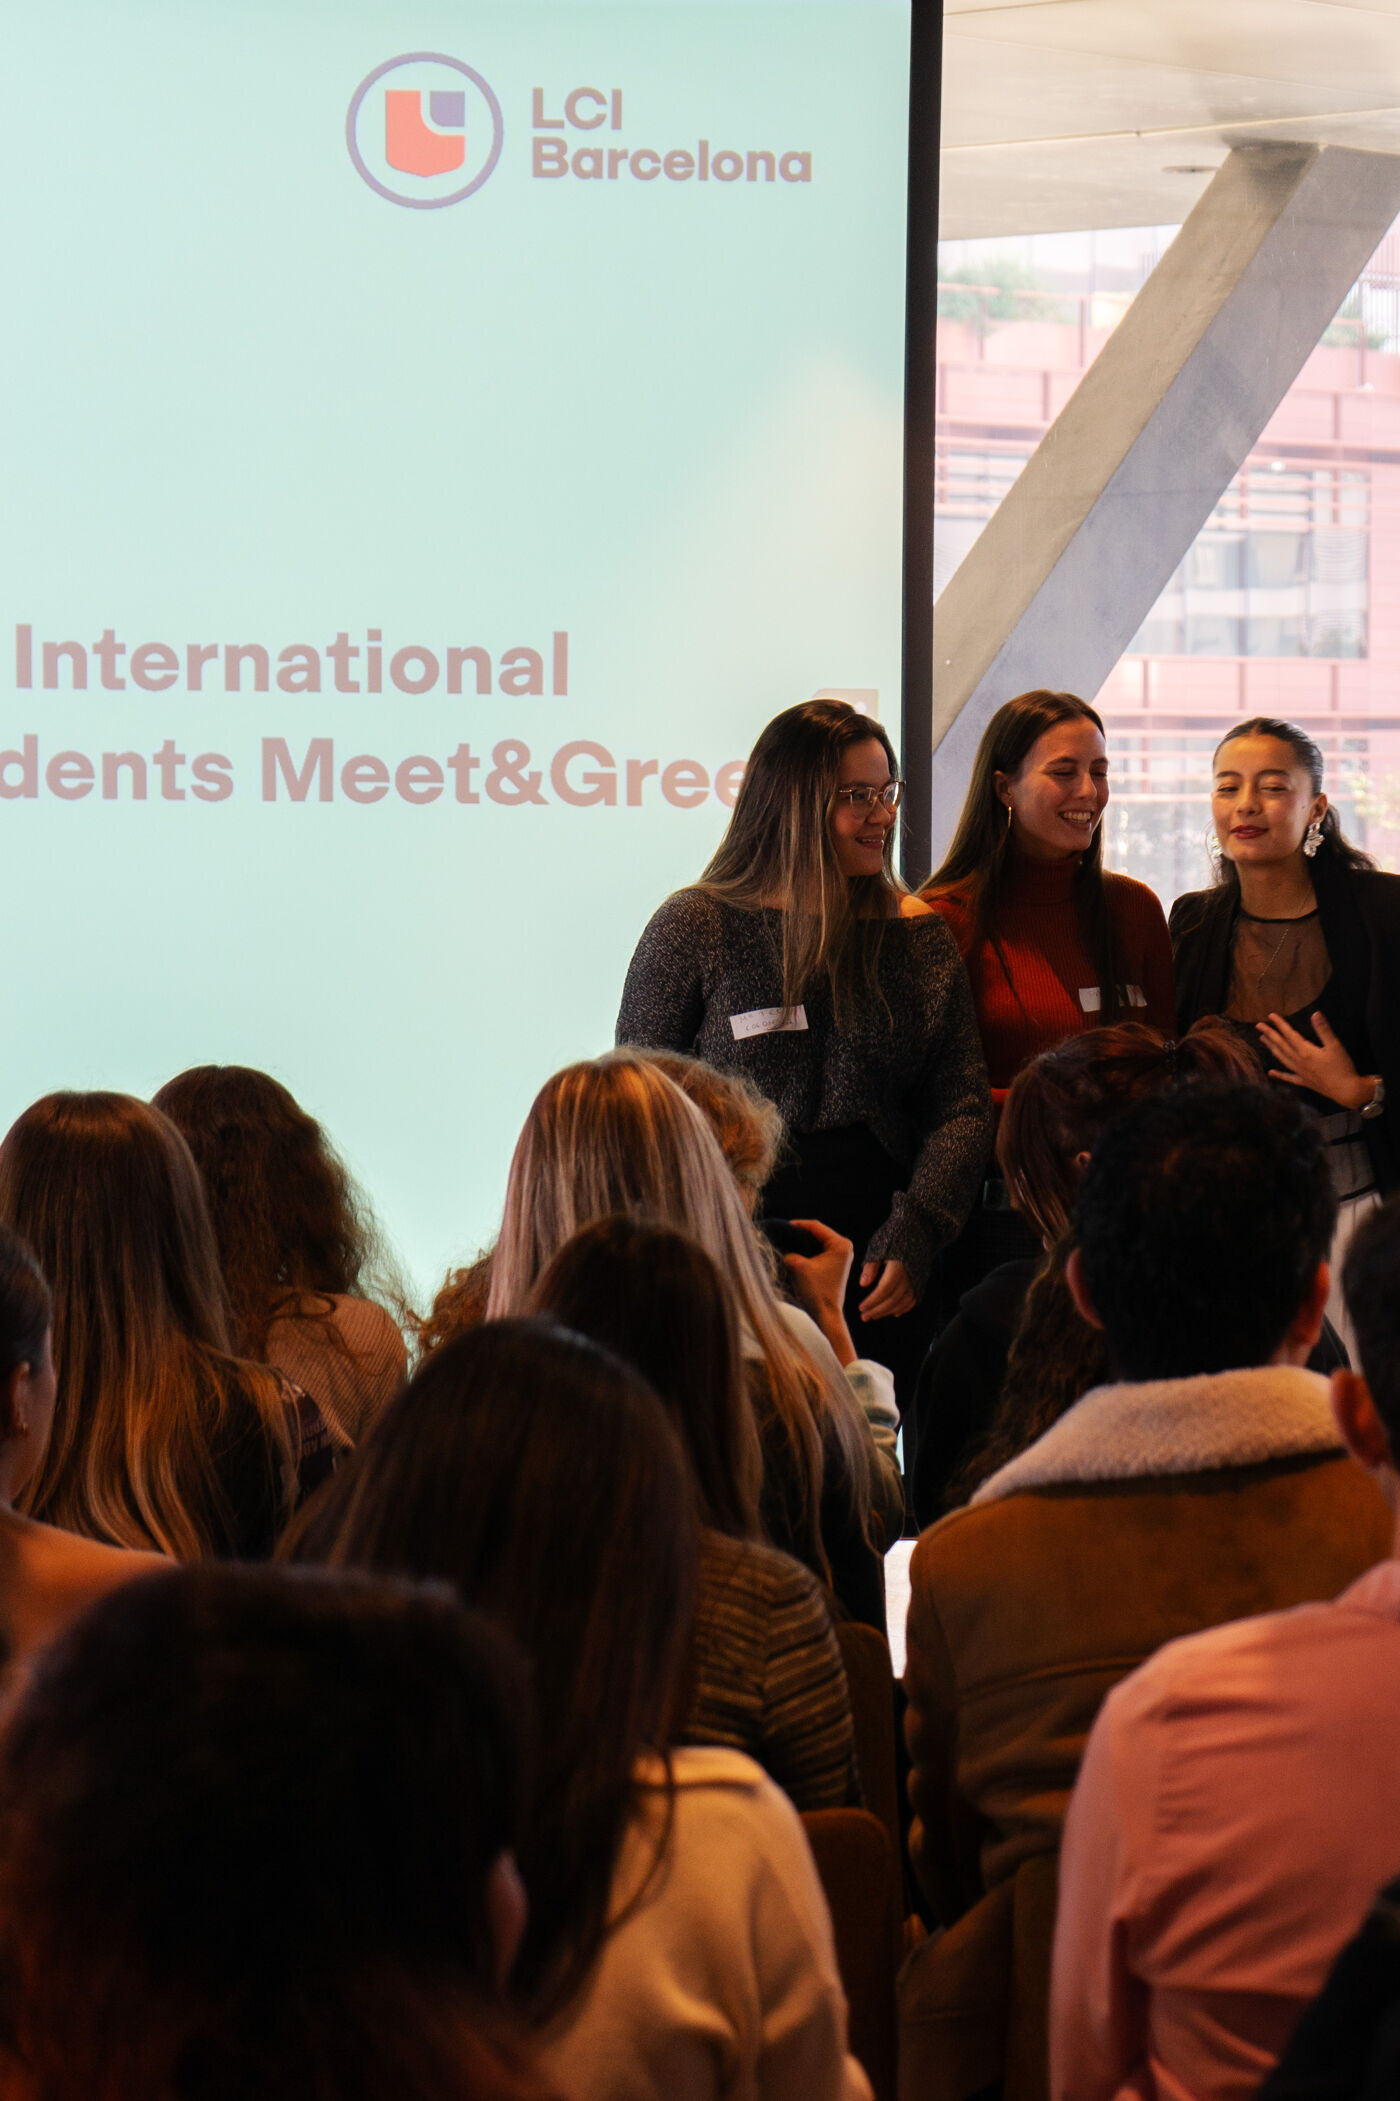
{"x": 409, "y": 145}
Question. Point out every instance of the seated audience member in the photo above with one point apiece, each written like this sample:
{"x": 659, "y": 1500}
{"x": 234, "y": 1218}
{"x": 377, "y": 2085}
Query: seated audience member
{"x": 161, "y": 1437}
{"x": 1016, "y": 1354}
{"x": 297, "y": 1243}
{"x": 46, "y": 1576}
{"x": 767, "y": 1675}
{"x": 615, "y": 1135}
{"x": 1206, "y": 1483}
{"x": 255, "y": 1844}
{"x": 678, "y": 1941}
{"x": 1238, "y": 1803}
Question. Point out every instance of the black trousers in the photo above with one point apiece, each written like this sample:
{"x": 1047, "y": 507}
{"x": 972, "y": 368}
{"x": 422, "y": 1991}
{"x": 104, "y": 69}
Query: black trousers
{"x": 847, "y": 1180}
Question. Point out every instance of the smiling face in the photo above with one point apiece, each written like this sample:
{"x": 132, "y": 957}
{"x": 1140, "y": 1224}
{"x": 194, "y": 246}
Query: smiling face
{"x": 858, "y": 836}
{"x": 1262, "y": 801}
{"x": 1060, "y": 793}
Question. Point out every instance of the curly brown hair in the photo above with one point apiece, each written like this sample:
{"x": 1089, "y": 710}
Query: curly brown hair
{"x": 291, "y": 1226}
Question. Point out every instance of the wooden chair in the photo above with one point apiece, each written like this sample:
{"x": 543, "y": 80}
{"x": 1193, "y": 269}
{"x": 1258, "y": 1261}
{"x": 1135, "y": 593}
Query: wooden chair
{"x": 859, "y": 1872}
{"x": 870, "y": 1676}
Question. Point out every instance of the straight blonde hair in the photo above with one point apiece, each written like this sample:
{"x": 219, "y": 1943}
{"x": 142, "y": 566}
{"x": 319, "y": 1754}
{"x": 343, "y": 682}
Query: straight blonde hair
{"x": 777, "y": 851}
{"x": 105, "y": 1191}
{"x": 614, "y": 1136}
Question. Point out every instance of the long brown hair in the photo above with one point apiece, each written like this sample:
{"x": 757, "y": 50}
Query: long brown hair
{"x": 654, "y": 1298}
{"x": 540, "y": 1476}
{"x": 615, "y": 1135}
{"x": 978, "y": 863}
{"x": 777, "y": 850}
{"x": 292, "y": 1229}
{"x": 105, "y": 1191}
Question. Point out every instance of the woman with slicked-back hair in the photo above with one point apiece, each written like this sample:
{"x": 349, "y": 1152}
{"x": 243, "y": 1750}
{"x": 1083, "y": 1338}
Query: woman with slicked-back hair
{"x": 1053, "y": 943}
{"x": 799, "y": 961}
{"x": 615, "y": 1135}
{"x": 1298, "y": 945}
{"x": 301, "y": 1253}
{"x": 161, "y": 1437}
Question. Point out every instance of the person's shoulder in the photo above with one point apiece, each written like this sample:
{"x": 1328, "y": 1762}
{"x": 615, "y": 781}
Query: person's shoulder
{"x": 1129, "y": 898}
{"x": 1194, "y": 907}
{"x": 776, "y": 1580}
{"x": 685, "y": 910}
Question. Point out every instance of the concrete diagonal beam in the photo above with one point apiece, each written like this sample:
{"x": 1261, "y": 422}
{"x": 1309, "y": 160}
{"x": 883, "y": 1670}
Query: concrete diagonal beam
{"x": 1090, "y": 534}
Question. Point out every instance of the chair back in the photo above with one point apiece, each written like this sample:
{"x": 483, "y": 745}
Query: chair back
{"x": 870, "y": 1676}
{"x": 860, "y": 1875}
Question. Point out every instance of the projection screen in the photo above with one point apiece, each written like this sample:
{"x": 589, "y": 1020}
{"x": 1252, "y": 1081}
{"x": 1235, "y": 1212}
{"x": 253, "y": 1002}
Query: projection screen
{"x": 438, "y": 440}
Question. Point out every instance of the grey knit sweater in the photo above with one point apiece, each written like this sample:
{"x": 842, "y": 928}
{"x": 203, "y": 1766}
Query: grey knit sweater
{"x": 915, "y": 1077}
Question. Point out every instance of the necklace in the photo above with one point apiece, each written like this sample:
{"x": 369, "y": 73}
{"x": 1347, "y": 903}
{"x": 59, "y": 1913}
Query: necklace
{"x": 1259, "y": 980}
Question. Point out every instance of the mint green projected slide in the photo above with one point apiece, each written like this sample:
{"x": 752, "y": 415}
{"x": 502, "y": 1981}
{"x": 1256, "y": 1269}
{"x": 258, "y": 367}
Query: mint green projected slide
{"x": 437, "y": 440}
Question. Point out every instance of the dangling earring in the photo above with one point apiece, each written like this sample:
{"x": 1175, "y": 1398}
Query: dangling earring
{"x": 1008, "y": 816}
{"x": 1312, "y": 837}
{"x": 1215, "y": 849}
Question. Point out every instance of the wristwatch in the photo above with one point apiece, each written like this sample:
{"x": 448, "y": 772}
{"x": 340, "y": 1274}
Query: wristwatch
{"x": 1376, "y": 1105}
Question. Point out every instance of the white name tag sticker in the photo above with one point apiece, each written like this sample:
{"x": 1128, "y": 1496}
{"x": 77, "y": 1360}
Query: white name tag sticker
{"x": 1091, "y": 999}
{"x": 766, "y": 1021}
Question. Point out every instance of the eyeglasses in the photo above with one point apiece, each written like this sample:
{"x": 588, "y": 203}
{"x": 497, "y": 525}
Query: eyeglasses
{"x": 865, "y": 799}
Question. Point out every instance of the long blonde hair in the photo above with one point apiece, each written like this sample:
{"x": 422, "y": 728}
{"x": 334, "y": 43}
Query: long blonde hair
{"x": 777, "y": 850}
{"x": 106, "y": 1193}
{"x": 615, "y": 1136}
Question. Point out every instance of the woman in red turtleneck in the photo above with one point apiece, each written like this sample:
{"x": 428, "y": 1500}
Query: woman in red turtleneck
{"x": 1053, "y": 944}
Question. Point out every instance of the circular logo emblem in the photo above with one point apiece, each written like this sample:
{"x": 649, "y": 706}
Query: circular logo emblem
{"x": 424, "y": 130}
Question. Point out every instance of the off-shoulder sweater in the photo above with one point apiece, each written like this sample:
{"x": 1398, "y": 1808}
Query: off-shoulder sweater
{"x": 706, "y": 979}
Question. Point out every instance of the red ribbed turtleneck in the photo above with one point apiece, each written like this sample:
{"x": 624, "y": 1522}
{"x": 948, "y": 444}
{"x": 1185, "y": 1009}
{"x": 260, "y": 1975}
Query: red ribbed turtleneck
{"x": 1049, "y": 987}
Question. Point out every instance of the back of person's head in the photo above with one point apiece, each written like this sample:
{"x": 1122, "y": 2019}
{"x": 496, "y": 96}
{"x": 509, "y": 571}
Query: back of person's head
{"x": 26, "y": 1310}
{"x": 654, "y": 1297}
{"x": 286, "y": 1216}
{"x": 1060, "y": 1103}
{"x": 1371, "y": 1284}
{"x": 1202, "y": 1218}
{"x": 106, "y": 1193}
{"x": 616, "y": 1135}
{"x": 747, "y": 1125}
{"x": 540, "y": 1475}
{"x": 255, "y": 1829}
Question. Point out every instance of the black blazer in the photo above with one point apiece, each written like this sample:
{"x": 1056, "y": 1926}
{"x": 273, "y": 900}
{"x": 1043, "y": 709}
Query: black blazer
{"x": 1360, "y": 913}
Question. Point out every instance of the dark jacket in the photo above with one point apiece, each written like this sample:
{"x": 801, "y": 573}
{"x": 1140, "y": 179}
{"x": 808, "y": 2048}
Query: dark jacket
{"x": 1347, "y": 2045}
{"x": 1360, "y": 913}
{"x": 961, "y": 1380}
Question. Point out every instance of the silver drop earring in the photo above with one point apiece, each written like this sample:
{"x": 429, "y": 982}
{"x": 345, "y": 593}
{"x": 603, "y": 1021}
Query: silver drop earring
{"x": 1312, "y": 837}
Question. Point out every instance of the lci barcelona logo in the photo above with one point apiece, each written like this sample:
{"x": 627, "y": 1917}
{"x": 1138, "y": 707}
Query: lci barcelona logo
{"x": 424, "y": 130}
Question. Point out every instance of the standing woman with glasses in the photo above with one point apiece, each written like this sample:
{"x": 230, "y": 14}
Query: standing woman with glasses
{"x": 799, "y": 961}
{"x": 1298, "y": 944}
{"x": 1053, "y": 944}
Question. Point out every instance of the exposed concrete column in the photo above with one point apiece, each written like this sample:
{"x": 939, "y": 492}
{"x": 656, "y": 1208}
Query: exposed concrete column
{"x": 1084, "y": 543}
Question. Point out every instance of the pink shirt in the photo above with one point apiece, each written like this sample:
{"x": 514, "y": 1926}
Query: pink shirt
{"x": 1237, "y": 1809}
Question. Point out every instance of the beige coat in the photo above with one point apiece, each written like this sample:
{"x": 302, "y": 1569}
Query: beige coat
{"x": 1147, "y": 1512}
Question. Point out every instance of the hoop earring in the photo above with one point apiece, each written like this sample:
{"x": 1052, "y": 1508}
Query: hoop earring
{"x": 1312, "y": 837}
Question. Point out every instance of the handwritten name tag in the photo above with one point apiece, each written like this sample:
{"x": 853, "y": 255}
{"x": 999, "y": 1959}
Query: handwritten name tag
{"x": 766, "y": 1021}
{"x": 1091, "y": 999}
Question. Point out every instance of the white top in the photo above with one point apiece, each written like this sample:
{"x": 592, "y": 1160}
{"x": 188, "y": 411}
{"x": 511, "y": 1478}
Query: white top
{"x": 722, "y": 1984}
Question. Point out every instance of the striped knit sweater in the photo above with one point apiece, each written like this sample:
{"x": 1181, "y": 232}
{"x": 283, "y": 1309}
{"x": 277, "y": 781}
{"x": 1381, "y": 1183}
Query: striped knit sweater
{"x": 768, "y": 1676}
{"x": 1048, "y": 987}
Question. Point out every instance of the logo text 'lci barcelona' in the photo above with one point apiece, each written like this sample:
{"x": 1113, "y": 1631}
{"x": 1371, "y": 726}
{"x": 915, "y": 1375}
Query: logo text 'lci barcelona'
{"x": 424, "y": 130}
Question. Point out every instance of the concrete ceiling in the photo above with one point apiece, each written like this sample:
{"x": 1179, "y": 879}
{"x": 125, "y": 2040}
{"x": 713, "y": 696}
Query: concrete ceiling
{"x": 1068, "y": 114}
